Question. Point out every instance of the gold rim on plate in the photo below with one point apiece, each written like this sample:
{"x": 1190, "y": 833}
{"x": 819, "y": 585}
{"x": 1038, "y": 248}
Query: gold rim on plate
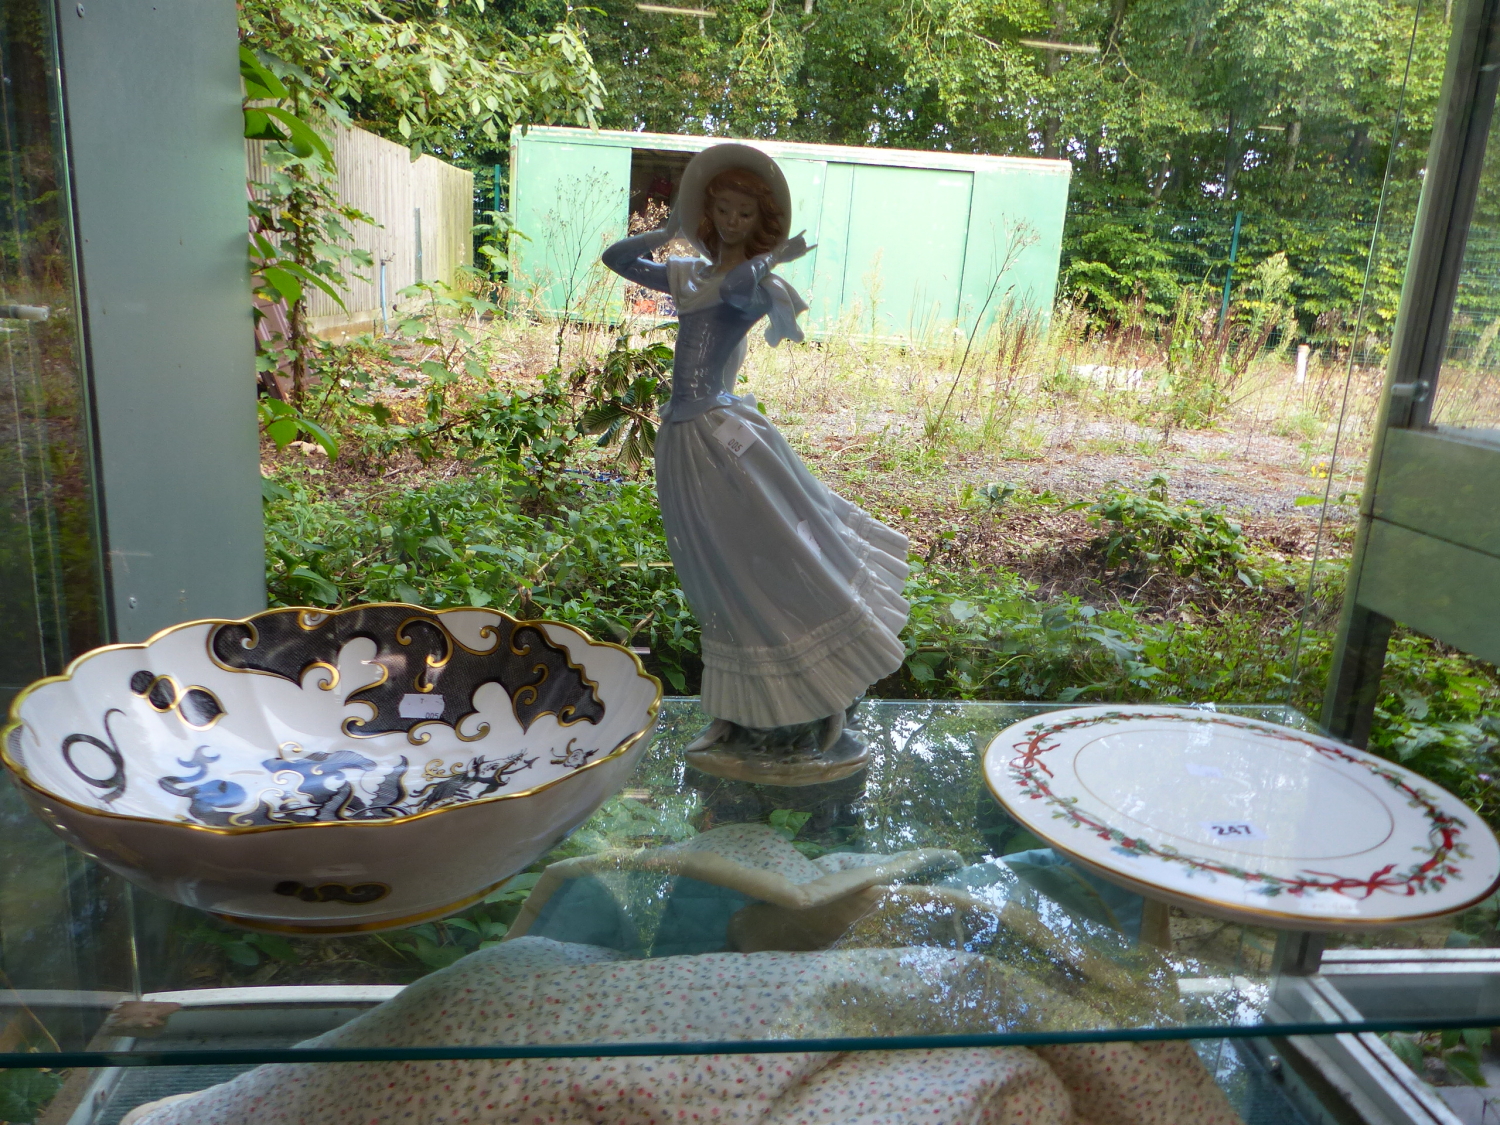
{"x": 1221, "y": 907}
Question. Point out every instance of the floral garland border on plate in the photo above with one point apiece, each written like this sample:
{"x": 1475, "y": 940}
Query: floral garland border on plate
{"x": 1431, "y": 874}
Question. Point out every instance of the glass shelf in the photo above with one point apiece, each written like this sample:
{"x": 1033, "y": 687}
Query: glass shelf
{"x": 669, "y": 887}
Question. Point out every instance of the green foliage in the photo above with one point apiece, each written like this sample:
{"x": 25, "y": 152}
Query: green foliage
{"x": 1194, "y": 383}
{"x": 532, "y": 534}
{"x": 1479, "y": 926}
{"x": 991, "y": 496}
{"x": 1209, "y": 349}
{"x": 245, "y": 949}
{"x": 1142, "y": 533}
{"x": 273, "y": 123}
{"x": 463, "y": 413}
{"x": 982, "y": 636}
{"x": 282, "y": 423}
{"x": 428, "y": 74}
{"x": 1129, "y": 264}
{"x": 1187, "y": 113}
{"x": 482, "y": 425}
{"x": 492, "y": 240}
{"x": 436, "y": 945}
{"x": 626, "y": 822}
{"x": 1119, "y": 270}
{"x": 299, "y": 229}
{"x": 298, "y": 233}
{"x": 625, "y": 394}
{"x": 787, "y": 822}
{"x": 986, "y": 636}
{"x": 439, "y": 76}
{"x": 399, "y": 954}
{"x": 528, "y": 541}
{"x": 25, "y": 1093}
{"x": 1439, "y": 714}
{"x": 1457, "y": 1053}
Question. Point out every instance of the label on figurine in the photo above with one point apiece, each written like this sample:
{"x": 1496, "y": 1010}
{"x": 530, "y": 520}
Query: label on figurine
{"x": 1232, "y": 830}
{"x": 421, "y": 706}
{"x": 1198, "y": 770}
{"x": 804, "y": 533}
{"x": 735, "y": 436}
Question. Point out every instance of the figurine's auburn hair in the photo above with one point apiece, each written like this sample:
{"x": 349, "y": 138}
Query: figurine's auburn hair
{"x": 772, "y": 229}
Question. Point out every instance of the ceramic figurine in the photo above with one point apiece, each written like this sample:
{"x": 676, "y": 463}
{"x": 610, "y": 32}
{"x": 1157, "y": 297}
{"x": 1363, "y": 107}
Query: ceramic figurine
{"x": 797, "y": 590}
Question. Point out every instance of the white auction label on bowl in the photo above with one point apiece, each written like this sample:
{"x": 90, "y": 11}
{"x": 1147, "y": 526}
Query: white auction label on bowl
{"x": 415, "y": 705}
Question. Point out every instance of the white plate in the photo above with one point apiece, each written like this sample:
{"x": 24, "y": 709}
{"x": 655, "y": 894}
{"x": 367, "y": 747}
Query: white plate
{"x": 1242, "y": 818}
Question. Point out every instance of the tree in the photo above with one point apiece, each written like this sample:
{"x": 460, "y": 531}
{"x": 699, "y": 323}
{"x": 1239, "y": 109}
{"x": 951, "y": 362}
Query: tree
{"x": 419, "y": 72}
{"x": 434, "y": 75}
{"x": 1177, "y": 114}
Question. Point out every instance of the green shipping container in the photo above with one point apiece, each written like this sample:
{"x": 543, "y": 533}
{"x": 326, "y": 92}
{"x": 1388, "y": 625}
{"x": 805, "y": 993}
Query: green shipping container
{"x": 909, "y": 244}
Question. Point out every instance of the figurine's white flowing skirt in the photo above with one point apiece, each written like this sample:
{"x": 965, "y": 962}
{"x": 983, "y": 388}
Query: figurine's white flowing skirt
{"x": 797, "y": 590}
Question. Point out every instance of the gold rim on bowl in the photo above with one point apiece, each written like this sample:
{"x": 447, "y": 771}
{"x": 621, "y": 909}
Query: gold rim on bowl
{"x": 20, "y": 773}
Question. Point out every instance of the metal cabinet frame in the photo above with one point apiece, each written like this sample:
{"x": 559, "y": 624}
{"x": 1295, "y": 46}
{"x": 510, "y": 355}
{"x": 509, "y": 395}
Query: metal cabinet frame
{"x": 1427, "y": 548}
{"x": 151, "y": 101}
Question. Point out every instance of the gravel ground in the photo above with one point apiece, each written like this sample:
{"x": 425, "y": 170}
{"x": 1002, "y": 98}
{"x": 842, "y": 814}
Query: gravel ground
{"x": 1246, "y": 470}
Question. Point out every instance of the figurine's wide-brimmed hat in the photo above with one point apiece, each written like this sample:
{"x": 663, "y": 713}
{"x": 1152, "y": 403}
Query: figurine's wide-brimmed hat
{"x": 687, "y": 212}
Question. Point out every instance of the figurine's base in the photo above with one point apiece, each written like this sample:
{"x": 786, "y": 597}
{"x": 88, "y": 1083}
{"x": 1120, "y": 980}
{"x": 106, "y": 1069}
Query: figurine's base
{"x": 758, "y": 766}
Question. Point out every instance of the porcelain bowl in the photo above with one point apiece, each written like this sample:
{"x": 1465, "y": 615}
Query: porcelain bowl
{"x": 331, "y": 771}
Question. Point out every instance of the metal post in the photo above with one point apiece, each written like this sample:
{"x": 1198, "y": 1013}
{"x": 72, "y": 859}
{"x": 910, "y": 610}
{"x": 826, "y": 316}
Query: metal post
{"x": 1234, "y": 252}
{"x": 495, "y": 192}
{"x": 416, "y": 213}
{"x": 1354, "y": 676}
{"x": 1298, "y": 954}
{"x": 385, "y": 325}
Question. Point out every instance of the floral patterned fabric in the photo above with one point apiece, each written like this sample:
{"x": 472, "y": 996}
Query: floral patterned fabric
{"x": 534, "y": 990}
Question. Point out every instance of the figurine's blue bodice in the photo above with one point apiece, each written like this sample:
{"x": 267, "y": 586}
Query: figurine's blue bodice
{"x": 715, "y": 312}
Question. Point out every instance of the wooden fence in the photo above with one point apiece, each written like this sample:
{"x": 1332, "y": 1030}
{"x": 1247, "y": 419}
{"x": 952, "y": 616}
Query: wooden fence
{"x": 424, "y": 214}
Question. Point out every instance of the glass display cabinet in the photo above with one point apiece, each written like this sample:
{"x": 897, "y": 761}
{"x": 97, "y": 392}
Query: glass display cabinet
{"x": 944, "y": 945}
{"x": 897, "y": 918}
{"x": 1425, "y": 555}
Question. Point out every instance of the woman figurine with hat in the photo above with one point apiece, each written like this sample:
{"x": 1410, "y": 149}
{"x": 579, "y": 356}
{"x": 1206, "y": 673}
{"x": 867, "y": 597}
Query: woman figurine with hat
{"x": 797, "y": 590}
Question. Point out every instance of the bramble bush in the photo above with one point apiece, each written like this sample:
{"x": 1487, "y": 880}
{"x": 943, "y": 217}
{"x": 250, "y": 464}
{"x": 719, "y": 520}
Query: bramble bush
{"x": 563, "y": 545}
{"x": 591, "y": 552}
{"x": 1148, "y": 533}
{"x": 1439, "y": 714}
{"x": 535, "y": 500}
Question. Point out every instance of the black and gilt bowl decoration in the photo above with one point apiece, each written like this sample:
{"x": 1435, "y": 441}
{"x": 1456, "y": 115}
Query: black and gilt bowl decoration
{"x": 331, "y": 771}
